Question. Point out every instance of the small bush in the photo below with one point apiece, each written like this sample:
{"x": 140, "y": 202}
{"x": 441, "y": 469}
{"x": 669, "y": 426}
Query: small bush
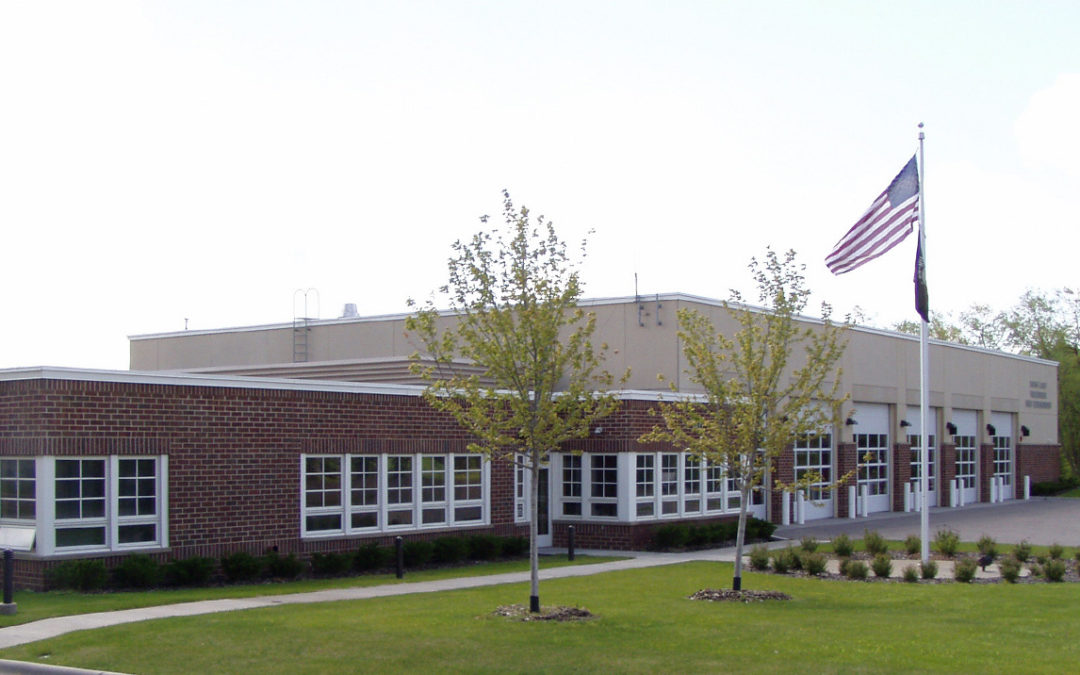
{"x": 759, "y": 529}
{"x": 1051, "y": 488}
{"x": 1022, "y": 551}
{"x": 241, "y": 566}
{"x": 808, "y": 544}
{"x": 1036, "y": 569}
{"x": 1054, "y": 570}
{"x": 1010, "y": 569}
{"x": 515, "y": 547}
{"x": 418, "y": 553}
{"x": 911, "y": 574}
{"x": 81, "y": 575}
{"x": 331, "y": 564}
{"x": 796, "y": 558}
{"x": 137, "y": 571}
{"x": 856, "y": 569}
{"x": 484, "y": 547}
{"x": 1042, "y": 559}
{"x": 371, "y": 556}
{"x": 697, "y": 535}
{"x": 759, "y": 558}
{"x": 449, "y": 550}
{"x": 987, "y": 546}
{"x": 875, "y": 543}
{"x": 1056, "y": 551}
{"x": 783, "y": 561}
{"x": 946, "y": 542}
{"x": 671, "y": 536}
{"x": 913, "y": 544}
{"x": 814, "y": 564}
{"x": 882, "y": 565}
{"x": 965, "y": 570}
{"x": 283, "y": 566}
{"x": 842, "y": 546}
{"x": 194, "y": 571}
{"x": 1077, "y": 555}
{"x": 928, "y": 569}
{"x": 723, "y": 532}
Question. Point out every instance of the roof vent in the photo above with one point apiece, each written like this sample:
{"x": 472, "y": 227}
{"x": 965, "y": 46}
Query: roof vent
{"x": 349, "y": 311}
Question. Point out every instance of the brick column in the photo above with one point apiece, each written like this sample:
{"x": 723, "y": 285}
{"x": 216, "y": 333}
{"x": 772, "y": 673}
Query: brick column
{"x": 846, "y": 462}
{"x": 901, "y": 473}
{"x": 946, "y": 471}
{"x": 783, "y": 471}
{"x": 986, "y": 470}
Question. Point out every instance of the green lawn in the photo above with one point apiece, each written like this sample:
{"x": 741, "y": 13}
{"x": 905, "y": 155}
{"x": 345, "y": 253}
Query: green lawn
{"x": 36, "y": 606}
{"x": 644, "y": 624}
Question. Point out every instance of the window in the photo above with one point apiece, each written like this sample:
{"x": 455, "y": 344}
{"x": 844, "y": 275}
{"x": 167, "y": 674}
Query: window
{"x": 18, "y": 485}
{"x": 364, "y": 492}
{"x": 915, "y": 441}
{"x": 137, "y": 501}
{"x": 604, "y": 483}
{"x": 1003, "y": 459}
{"x": 714, "y": 487}
{"x": 873, "y": 467}
{"x": 347, "y": 494}
{"x": 691, "y": 485}
{"x": 80, "y": 502}
{"x": 669, "y": 484}
{"x": 322, "y": 494}
{"x": 571, "y": 485}
{"x": 813, "y": 454}
{"x": 645, "y": 485}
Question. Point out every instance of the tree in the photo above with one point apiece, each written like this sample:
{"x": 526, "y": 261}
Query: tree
{"x": 940, "y": 329}
{"x": 513, "y": 312}
{"x": 757, "y": 399}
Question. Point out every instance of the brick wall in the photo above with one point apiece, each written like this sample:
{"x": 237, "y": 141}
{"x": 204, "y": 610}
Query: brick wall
{"x": 1041, "y": 462}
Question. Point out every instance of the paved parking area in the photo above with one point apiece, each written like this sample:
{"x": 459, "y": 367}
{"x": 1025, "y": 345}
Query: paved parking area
{"x": 1040, "y": 520}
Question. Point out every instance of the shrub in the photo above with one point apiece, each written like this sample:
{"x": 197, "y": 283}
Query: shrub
{"x": 857, "y": 569}
{"x": 875, "y": 543}
{"x": 1051, "y": 488}
{"x": 1036, "y": 569}
{"x": 796, "y": 557}
{"x": 515, "y": 547}
{"x": 418, "y": 553}
{"x": 782, "y": 561}
{"x": 759, "y": 558}
{"x": 842, "y": 546}
{"x": 331, "y": 564}
{"x": 671, "y": 536}
{"x": 283, "y": 566}
{"x": 1054, "y": 570}
{"x": 911, "y": 574}
{"x": 371, "y": 556}
{"x": 484, "y": 546}
{"x": 946, "y": 542}
{"x": 449, "y": 550}
{"x": 137, "y": 571}
{"x": 81, "y": 575}
{"x": 697, "y": 535}
{"x": 241, "y": 566}
{"x": 808, "y": 544}
{"x": 844, "y": 565}
{"x": 928, "y": 569}
{"x": 912, "y": 544}
{"x": 1022, "y": 551}
{"x": 814, "y": 564}
{"x": 1010, "y": 570}
{"x": 965, "y": 570}
{"x": 882, "y": 565}
{"x": 1041, "y": 559}
{"x": 759, "y": 529}
{"x": 722, "y": 532}
{"x": 1077, "y": 555}
{"x": 194, "y": 571}
{"x": 1056, "y": 551}
{"x": 987, "y": 546}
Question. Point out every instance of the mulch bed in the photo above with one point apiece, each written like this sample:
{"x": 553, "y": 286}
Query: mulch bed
{"x": 728, "y": 595}
{"x": 558, "y": 613}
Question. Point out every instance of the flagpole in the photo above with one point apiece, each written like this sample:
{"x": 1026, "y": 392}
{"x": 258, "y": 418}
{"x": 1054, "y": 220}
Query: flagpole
{"x": 924, "y": 372}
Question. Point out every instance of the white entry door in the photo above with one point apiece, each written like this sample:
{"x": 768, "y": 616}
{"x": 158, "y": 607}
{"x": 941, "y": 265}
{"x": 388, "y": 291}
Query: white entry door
{"x": 967, "y": 454}
{"x": 814, "y": 454}
{"x": 872, "y": 449}
{"x": 1003, "y": 453}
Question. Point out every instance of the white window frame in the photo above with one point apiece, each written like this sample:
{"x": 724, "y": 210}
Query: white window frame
{"x": 966, "y": 457}
{"x": 19, "y": 482}
{"x": 583, "y": 466}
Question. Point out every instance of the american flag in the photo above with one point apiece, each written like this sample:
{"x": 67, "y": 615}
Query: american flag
{"x": 884, "y": 225}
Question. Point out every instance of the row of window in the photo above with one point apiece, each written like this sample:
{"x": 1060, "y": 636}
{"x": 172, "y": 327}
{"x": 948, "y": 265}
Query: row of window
{"x": 92, "y": 503}
{"x": 347, "y": 494}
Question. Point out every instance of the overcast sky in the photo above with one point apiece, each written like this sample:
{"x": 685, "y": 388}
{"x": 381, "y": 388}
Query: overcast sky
{"x": 201, "y": 161}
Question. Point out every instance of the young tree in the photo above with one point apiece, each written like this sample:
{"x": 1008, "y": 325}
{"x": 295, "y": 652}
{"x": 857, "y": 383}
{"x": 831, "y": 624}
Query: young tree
{"x": 758, "y": 394}
{"x": 513, "y": 312}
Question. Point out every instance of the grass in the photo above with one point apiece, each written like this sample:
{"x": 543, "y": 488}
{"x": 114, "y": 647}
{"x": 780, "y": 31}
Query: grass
{"x": 36, "y": 606}
{"x": 1071, "y": 494}
{"x": 644, "y": 624}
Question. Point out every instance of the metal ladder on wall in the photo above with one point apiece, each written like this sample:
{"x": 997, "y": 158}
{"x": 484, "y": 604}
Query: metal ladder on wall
{"x": 301, "y": 328}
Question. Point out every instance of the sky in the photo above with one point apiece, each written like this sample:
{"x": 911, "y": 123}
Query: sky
{"x": 195, "y": 164}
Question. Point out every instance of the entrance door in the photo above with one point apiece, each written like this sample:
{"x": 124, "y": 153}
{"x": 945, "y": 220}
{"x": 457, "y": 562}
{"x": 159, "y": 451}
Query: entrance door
{"x": 1003, "y": 453}
{"x": 543, "y": 510}
{"x": 872, "y": 446}
{"x": 966, "y": 455}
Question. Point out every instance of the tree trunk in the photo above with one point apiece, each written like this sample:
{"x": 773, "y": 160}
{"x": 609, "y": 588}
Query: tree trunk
{"x": 534, "y": 552}
{"x": 740, "y": 537}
